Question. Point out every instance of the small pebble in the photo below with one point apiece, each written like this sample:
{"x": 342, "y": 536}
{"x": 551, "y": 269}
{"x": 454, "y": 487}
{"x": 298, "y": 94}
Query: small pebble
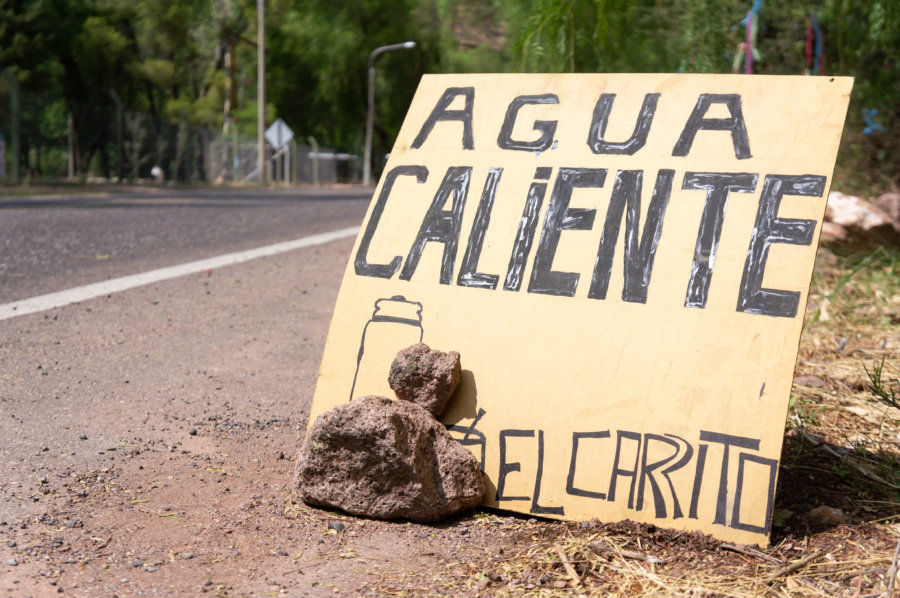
{"x": 193, "y": 431}
{"x": 187, "y": 555}
{"x": 336, "y": 526}
{"x": 151, "y": 569}
{"x": 11, "y": 543}
{"x": 283, "y": 552}
{"x": 71, "y": 523}
{"x": 12, "y": 562}
{"x": 137, "y": 563}
{"x": 82, "y": 437}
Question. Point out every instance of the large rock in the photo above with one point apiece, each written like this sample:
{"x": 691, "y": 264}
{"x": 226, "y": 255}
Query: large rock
{"x": 853, "y": 221}
{"x": 889, "y": 203}
{"x": 382, "y": 458}
{"x": 425, "y": 377}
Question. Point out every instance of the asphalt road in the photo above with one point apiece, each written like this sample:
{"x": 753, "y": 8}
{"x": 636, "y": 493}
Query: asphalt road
{"x": 52, "y": 243}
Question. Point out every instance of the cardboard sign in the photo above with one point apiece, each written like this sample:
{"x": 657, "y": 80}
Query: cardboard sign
{"x": 623, "y": 263}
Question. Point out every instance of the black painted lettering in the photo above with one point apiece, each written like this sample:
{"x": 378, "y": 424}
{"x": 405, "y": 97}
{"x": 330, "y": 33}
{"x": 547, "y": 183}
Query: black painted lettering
{"x": 468, "y": 274}
{"x": 677, "y": 513}
{"x": 505, "y": 467}
{"x": 629, "y": 473}
{"x": 698, "y": 121}
{"x": 646, "y": 474}
{"x": 736, "y": 522}
{"x": 441, "y": 113}
{"x": 698, "y": 480}
{"x": 471, "y": 436}
{"x": 570, "y": 480}
{"x": 717, "y": 186}
{"x": 527, "y": 228}
{"x": 769, "y": 228}
{"x": 536, "y": 508}
{"x": 360, "y": 263}
{"x": 727, "y": 441}
{"x": 546, "y": 128}
{"x": 442, "y": 226}
{"x": 638, "y": 256}
{"x": 561, "y": 217}
{"x": 638, "y": 138}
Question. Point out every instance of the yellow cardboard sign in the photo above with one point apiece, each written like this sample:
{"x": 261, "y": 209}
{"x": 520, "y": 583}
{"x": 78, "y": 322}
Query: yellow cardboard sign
{"x": 623, "y": 263}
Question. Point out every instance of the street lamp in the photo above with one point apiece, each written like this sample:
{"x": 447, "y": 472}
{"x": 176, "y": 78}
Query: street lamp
{"x": 367, "y": 159}
{"x": 261, "y": 91}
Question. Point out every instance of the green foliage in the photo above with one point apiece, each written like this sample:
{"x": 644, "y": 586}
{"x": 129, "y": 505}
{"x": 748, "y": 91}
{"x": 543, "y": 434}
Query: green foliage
{"x": 861, "y": 39}
{"x": 167, "y": 60}
{"x": 886, "y": 391}
{"x": 801, "y": 412}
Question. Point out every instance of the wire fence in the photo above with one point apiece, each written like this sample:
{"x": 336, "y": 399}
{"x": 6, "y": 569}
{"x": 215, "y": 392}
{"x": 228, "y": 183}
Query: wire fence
{"x": 45, "y": 138}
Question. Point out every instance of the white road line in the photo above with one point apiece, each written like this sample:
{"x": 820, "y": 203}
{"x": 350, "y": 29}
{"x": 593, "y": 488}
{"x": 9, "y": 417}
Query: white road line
{"x": 98, "y": 289}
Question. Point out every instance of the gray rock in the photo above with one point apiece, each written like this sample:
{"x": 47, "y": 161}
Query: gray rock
{"x": 388, "y": 459}
{"x": 425, "y": 377}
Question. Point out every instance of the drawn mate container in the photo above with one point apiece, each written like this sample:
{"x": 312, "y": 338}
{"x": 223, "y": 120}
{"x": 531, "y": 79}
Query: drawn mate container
{"x": 396, "y": 324}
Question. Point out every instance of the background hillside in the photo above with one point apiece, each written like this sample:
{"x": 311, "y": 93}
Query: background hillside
{"x": 176, "y": 69}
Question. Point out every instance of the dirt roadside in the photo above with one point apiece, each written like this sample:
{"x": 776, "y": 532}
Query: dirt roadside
{"x": 147, "y": 443}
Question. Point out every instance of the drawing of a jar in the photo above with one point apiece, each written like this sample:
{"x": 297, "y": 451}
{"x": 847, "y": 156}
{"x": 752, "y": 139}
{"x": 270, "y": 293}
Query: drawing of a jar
{"x": 468, "y": 436}
{"x": 396, "y": 324}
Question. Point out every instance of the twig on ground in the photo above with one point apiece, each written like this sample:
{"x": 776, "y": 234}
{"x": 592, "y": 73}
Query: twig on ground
{"x": 859, "y": 579}
{"x": 751, "y": 552}
{"x": 850, "y": 462}
{"x": 569, "y": 568}
{"x": 794, "y": 566}
{"x": 892, "y": 575}
{"x": 601, "y": 547}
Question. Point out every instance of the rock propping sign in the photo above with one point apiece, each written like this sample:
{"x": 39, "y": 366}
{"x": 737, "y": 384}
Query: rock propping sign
{"x": 624, "y": 261}
{"x": 383, "y": 458}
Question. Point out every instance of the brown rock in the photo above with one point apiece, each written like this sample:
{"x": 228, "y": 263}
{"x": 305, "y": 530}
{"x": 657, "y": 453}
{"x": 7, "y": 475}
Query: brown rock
{"x": 889, "y": 203}
{"x": 425, "y": 377}
{"x": 825, "y": 516}
{"x": 853, "y": 220}
{"x": 382, "y": 458}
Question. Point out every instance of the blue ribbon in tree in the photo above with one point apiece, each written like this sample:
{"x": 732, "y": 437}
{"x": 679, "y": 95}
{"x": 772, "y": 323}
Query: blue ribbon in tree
{"x": 872, "y": 127}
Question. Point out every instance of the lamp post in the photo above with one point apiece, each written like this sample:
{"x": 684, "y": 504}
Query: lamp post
{"x": 367, "y": 159}
{"x": 261, "y": 91}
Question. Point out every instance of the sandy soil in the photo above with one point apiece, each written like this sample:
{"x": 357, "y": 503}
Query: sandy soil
{"x": 147, "y": 443}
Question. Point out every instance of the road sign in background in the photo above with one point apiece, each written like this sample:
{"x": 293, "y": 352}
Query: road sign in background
{"x": 279, "y": 134}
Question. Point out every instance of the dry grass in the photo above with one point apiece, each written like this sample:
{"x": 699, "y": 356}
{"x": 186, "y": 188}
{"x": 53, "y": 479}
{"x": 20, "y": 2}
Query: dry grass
{"x": 841, "y": 450}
